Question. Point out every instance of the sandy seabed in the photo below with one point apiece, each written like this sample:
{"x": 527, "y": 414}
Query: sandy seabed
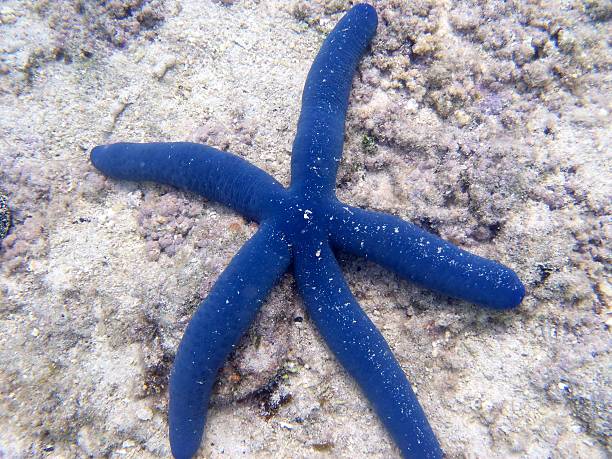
{"x": 487, "y": 123}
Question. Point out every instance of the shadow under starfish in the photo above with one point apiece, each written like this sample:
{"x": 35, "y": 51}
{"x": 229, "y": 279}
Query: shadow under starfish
{"x": 302, "y": 225}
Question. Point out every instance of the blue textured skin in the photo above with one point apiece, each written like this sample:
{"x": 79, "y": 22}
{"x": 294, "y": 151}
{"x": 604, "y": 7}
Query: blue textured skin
{"x": 304, "y": 225}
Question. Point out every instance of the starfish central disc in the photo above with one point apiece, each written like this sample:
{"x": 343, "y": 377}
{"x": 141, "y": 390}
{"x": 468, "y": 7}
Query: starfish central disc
{"x": 303, "y": 220}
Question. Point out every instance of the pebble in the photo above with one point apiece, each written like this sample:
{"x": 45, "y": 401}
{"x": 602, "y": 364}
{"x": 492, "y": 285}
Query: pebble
{"x": 5, "y": 216}
{"x": 160, "y": 69}
{"x": 144, "y": 414}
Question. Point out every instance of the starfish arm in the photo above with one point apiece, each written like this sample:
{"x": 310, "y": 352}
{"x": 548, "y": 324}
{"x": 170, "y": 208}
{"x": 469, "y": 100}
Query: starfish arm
{"x": 212, "y": 173}
{"x": 423, "y": 258}
{"x": 363, "y": 351}
{"x": 317, "y": 148}
{"x": 215, "y": 329}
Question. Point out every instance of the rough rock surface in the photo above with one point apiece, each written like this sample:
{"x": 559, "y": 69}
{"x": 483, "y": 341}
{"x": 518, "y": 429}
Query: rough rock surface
{"x": 487, "y": 123}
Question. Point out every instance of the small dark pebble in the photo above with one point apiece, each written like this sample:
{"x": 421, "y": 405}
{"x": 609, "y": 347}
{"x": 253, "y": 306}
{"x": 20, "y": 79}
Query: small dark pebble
{"x": 5, "y": 216}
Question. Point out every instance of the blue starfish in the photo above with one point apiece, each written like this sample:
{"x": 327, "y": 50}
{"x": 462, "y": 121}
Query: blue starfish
{"x": 303, "y": 225}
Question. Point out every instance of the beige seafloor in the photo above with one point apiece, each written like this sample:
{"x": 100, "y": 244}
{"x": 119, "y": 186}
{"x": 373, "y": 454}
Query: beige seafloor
{"x": 487, "y": 123}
